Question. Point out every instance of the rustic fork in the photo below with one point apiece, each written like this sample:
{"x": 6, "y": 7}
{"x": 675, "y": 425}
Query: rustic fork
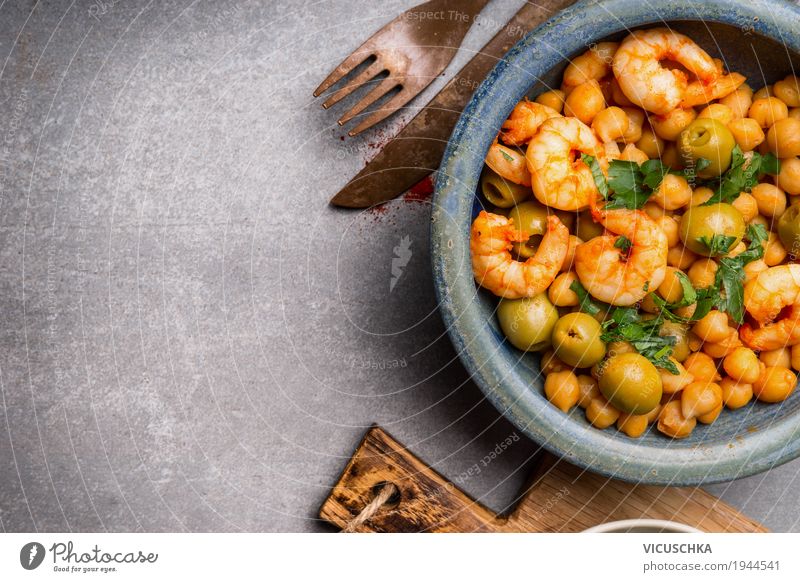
{"x": 413, "y": 49}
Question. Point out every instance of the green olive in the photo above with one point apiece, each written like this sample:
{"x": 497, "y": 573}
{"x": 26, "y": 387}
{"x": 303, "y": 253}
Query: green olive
{"x": 631, "y": 383}
{"x": 703, "y": 222}
{"x": 532, "y": 218}
{"x": 680, "y": 351}
{"x": 789, "y": 229}
{"x": 576, "y": 340}
{"x": 587, "y": 228}
{"x": 501, "y": 192}
{"x": 709, "y": 139}
{"x": 528, "y": 323}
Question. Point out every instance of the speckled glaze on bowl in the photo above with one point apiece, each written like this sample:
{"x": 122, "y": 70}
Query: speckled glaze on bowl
{"x": 759, "y": 39}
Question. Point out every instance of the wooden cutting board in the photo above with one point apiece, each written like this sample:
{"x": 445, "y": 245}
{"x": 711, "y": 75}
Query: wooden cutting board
{"x": 560, "y": 498}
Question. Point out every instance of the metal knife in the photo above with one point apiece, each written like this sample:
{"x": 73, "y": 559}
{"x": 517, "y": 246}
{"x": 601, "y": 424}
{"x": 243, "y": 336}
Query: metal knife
{"x": 417, "y": 150}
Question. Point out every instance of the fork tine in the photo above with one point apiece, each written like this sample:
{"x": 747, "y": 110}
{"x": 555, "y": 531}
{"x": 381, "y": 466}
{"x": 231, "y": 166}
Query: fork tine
{"x": 382, "y": 89}
{"x": 391, "y": 106}
{"x": 367, "y": 74}
{"x": 344, "y": 68}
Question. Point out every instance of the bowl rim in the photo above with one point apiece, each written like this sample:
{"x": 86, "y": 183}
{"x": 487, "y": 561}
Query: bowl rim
{"x": 456, "y": 182}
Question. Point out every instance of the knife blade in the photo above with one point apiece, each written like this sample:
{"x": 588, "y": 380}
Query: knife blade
{"x": 416, "y": 151}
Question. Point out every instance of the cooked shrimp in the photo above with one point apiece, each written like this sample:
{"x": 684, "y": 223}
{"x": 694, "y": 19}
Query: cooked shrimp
{"x": 525, "y": 121}
{"x": 642, "y": 78}
{"x": 699, "y": 93}
{"x": 559, "y": 177}
{"x": 617, "y": 275}
{"x": 773, "y": 294}
{"x": 496, "y": 270}
{"x": 508, "y": 163}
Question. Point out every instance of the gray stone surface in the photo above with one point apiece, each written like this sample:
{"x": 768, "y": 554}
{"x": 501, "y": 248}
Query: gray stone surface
{"x": 191, "y": 338}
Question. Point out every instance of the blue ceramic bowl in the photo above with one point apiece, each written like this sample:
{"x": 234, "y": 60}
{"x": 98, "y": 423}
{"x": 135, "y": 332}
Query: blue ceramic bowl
{"x": 760, "y": 39}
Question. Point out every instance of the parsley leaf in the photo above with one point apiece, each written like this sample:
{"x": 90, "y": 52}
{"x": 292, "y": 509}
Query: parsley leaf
{"x": 597, "y": 174}
{"x": 506, "y": 156}
{"x": 627, "y": 324}
{"x": 718, "y": 244}
{"x": 585, "y": 301}
{"x": 730, "y": 275}
{"x": 742, "y": 175}
{"x": 623, "y": 243}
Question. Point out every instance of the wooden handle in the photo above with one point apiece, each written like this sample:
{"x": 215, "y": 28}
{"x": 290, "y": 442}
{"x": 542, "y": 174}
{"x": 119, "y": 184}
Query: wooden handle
{"x": 561, "y": 498}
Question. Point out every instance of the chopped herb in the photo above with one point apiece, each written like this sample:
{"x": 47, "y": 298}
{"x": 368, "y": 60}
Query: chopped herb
{"x": 597, "y": 174}
{"x": 506, "y": 156}
{"x": 718, "y": 244}
{"x": 743, "y": 175}
{"x": 627, "y": 324}
{"x": 623, "y": 242}
{"x": 632, "y": 184}
{"x": 586, "y": 303}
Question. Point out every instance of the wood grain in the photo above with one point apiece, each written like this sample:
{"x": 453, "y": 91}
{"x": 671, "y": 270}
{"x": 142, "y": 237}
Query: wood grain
{"x": 561, "y": 498}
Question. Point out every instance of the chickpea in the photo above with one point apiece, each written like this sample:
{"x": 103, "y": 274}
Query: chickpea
{"x": 767, "y": 111}
{"x": 653, "y": 210}
{"x": 710, "y": 417}
{"x": 585, "y": 102}
{"x": 672, "y": 423}
{"x": 562, "y": 390}
{"x": 702, "y": 273}
{"x": 713, "y": 327}
{"x": 650, "y": 143}
{"x": 775, "y": 384}
{"x": 723, "y": 348}
{"x": 584, "y": 68}
{"x": 559, "y": 292}
{"x": 702, "y": 367}
{"x": 672, "y": 383}
{"x": 758, "y": 219}
{"x": 788, "y": 91}
{"x": 670, "y": 228}
{"x": 753, "y": 268}
{"x": 610, "y": 124}
{"x": 633, "y": 154}
{"x": 553, "y": 99}
{"x": 601, "y": 414}
{"x": 747, "y": 133}
{"x": 795, "y": 357}
{"x": 574, "y": 241}
{"x": 550, "y": 364}
{"x": 670, "y": 289}
{"x": 635, "y": 123}
{"x": 742, "y": 365}
{"x": 737, "y": 250}
{"x": 782, "y": 357}
{"x": 618, "y": 96}
{"x": 587, "y": 390}
{"x": 783, "y": 138}
{"x": 763, "y": 93}
{"x": 735, "y": 394}
{"x": 670, "y": 125}
{"x": 633, "y": 425}
{"x": 680, "y": 257}
{"x": 700, "y": 398}
{"x": 687, "y": 311}
{"x": 695, "y": 343}
{"x": 700, "y": 195}
{"x": 794, "y": 112}
{"x": 746, "y": 205}
{"x": 611, "y": 149}
{"x": 718, "y": 111}
{"x": 771, "y": 200}
{"x": 673, "y": 192}
{"x": 789, "y": 176}
{"x": 739, "y": 101}
{"x": 774, "y": 251}
{"x": 672, "y": 157}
